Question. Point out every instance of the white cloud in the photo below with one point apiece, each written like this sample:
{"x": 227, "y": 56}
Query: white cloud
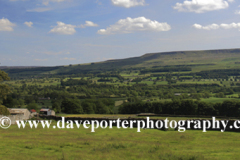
{"x": 89, "y": 24}
{"x": 216, "y": 26}
{"x": 6, "y": 25}
{"x": 52, "y": 53}
{"x": 197, "y": 26}
{"x": 237, "y": 12}
{"x": 71, "y": 59}
{"x": 230, "y": 26}
{"x": 231, "y": 1}
{"x": 208, "y": 27}
{"x": 40, "y": 60}
{"x": 39, "y": 10}
{"x": 130, "y": 25}
{"x": 201, "y": 6}
{"x": 45, "y": 6}
{"x": 98, "y": 2}
{"x": 29, "y": 24}
{"x": 46, "y": 2}
{"x": 63, "y": 28}
{"x": 128, "y": 3}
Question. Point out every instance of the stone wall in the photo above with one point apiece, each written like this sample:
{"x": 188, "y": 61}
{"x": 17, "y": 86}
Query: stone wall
{"x": 13, "y": 118}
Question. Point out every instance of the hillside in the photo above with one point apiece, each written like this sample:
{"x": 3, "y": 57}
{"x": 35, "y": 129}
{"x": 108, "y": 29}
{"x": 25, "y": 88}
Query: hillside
{"x": 198, "y": 60}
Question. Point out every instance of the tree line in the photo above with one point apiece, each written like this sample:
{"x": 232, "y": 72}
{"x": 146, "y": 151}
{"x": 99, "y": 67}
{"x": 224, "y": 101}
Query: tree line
{"x": 183, "y": 107}
{"x": 87, "y": 106}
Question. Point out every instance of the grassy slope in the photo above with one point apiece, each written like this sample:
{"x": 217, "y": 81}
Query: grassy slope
{"x": 222, "y": 59}
{"x": 26, "y": 144}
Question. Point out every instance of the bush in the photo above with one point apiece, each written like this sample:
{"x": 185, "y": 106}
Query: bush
{"x": 4, "y": 110}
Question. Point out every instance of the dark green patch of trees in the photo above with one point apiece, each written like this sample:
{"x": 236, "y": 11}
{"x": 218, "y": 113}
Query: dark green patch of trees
{"x": 73, "y": 82}
{"x": 89, "y": 106}
{"x": 183, "y": 107}
{"x": 166, "y": 69}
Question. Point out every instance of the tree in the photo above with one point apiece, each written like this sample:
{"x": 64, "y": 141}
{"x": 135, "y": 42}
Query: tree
{"x": 21, "y": 102}
{"x": 230, "y": 108}
{"x": 71, "y": 106}
{"x": 4, "y": 110}
{"x": 231, "y": 91}
{"x": 32, "y": 106}
{"x": 206, "y": 95}
{"x": 188, "y": 107}
{"x": 29, "y": 99}
{"x": 206, "y": 109}
{"x": 56, "y": 107}
{"x": 8, "y": 102}
{"x": 88, "y": 107}
{"x": 220, "y": 95}
{"x": 4, "y": 89}
{"x": 101, "y": 108}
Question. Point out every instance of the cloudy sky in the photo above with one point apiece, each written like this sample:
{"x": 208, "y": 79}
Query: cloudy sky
{"x": 62, "y": 32}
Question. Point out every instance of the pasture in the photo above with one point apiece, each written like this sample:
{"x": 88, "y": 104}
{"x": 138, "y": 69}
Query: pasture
{"x": 69, "y": 144}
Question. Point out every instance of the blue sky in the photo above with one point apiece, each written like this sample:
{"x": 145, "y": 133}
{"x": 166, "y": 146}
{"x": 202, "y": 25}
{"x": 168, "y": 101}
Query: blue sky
{"x": 63, "y": 32}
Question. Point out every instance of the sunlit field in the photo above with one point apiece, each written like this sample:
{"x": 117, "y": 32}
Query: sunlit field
{"x": 56, "y": 144}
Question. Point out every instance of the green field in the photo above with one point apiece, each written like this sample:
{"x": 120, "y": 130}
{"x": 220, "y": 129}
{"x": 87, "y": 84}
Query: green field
{"x": 59, "y": 144}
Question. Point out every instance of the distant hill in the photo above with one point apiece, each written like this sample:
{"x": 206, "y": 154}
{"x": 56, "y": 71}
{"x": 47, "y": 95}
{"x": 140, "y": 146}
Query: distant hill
{"x": 198, "y": 60}
{"x": 21, "y": 67}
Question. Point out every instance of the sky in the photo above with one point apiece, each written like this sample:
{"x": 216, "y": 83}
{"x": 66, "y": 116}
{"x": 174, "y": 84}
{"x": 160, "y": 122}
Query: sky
{"x": 63, "y": 32}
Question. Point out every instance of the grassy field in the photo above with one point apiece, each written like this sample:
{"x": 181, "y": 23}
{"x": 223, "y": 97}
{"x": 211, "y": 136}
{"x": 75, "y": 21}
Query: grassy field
{"x": 70, "y": 144}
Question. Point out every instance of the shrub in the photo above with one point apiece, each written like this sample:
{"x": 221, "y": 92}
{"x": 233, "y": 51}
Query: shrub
{"x": 4, "y": 110}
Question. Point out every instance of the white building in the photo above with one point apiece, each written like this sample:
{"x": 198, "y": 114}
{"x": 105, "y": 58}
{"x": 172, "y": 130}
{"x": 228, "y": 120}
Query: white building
{"x": 23, "y": 112}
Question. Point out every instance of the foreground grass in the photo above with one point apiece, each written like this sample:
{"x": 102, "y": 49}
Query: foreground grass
{"x": 24, "y": 144}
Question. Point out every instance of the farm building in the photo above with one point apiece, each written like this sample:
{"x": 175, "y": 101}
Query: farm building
{"x": 33, "y": 112}
{"x": 23, "y": 112}
{"x": 53, "y": 113}
{"x": 177, "y": 94}
{"x": 47, "y": 111}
